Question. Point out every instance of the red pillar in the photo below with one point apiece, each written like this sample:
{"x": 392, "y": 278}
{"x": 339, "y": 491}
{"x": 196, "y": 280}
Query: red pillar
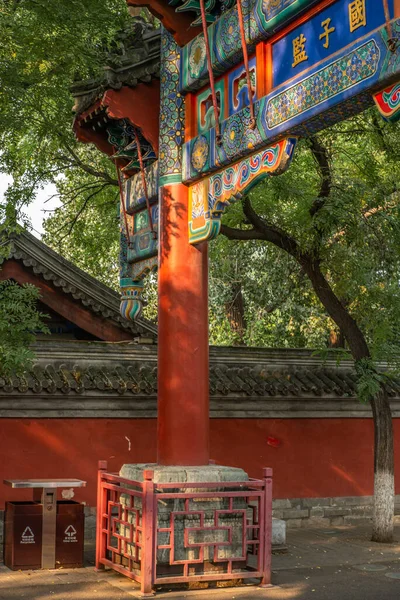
{"x": 183, "y": 388}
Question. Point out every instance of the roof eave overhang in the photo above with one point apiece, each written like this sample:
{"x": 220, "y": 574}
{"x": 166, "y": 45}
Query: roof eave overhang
{"x": 179, "y": 24}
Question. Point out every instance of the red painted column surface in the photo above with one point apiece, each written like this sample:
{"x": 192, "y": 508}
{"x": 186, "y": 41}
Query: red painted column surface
{"x": 183, "y": 389}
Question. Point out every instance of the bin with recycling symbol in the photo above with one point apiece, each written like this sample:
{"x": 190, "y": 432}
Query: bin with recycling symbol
{"x": 44, "y": 533}
{"x": 70, "y": 531}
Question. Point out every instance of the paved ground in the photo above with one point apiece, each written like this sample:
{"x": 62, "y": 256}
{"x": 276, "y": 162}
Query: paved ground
{"x": 321, "y": 564}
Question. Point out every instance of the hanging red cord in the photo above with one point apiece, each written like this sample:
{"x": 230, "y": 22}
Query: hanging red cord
{"x": 246, "y": 63}
{"x": 210, "y": 71}
{"x": 144, "y": 182}
{"x": 392, "y": 42}
{"x": 121, "y": 192}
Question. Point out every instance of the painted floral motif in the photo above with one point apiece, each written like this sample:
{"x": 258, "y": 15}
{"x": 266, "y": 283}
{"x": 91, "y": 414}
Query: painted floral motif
{"x": 392, "y": 98}
{"x": 358, "y": 65}
{"x": 172, "y": 110}
{"x": 238, "y": 136}
{"x": 388, "y": 103}
{"x": 392, "y": 60}
{"x": 210, "y": 197}
{"x": 197, "y": 57}
{"x": 200, "y": 153}
{"x": 271, "y": 8}
{"x": 236, "y": 180}
{"x": 134, "y": 192}
{"x": 227, "y": 39}
{"x": 197, "y": 201}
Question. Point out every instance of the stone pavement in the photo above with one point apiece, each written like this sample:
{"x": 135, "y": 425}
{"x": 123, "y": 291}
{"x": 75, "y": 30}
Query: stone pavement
{"x": 321, "y": 564}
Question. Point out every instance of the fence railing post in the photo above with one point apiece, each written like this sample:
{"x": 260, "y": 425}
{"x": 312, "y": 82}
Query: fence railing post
{"x": 149, "y": 528}
{"x": 267, "y": 526}
{"x": 101, "y": 538}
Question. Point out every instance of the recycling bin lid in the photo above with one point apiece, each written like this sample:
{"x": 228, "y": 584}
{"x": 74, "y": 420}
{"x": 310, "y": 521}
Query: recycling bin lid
{"x": 44, "y": 483}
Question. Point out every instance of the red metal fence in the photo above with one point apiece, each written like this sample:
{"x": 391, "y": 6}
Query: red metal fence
{"x": 165, "y": 533}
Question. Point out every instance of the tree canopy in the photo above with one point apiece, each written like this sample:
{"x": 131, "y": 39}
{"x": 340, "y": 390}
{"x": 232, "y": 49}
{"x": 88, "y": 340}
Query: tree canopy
{"x": 258, "y": 294}
{"x": 45, "y": 47}
{"x": 20, "y": 321}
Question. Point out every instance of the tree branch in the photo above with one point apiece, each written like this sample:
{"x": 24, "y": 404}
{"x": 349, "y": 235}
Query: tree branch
{"x": 88, "y": 168}
{"x": 312, "y": 268}
{"x": 322, "y": 158}
{"x": 78, "y": 214}
{"x": 271, "y": 233}
{"x": 241, "y": 234}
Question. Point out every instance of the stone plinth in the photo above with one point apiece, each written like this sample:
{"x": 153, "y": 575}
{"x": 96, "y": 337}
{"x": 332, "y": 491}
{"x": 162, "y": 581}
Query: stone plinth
{"x": 169, "y": 474}
{"x": 196, "y": 518}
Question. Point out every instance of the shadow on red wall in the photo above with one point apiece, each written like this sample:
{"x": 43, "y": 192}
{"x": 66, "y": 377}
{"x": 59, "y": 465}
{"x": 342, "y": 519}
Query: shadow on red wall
{"x": 310, "y": 457}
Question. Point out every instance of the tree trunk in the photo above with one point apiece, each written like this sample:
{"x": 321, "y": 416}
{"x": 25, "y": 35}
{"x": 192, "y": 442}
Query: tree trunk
{"x": 235, "y": 313}
{"x": 384, "y": 452}
{"x": 383, "y": 469}
{"x": 383, "y": 517}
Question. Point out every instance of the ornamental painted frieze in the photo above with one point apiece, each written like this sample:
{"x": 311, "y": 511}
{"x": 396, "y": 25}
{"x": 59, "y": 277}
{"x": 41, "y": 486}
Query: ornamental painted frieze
{"x": 271, "y": 8}
{"x": 335, "y": 78}
{"x": 209, "y": 198}
{"x": 138, "y": 243}
{"x": 388, "y": 103}
{"x": 261, "y": 17}
{"x": 134, "y": 192}
{"x": 319, "y": 97}
{"x": 172, "y": 112}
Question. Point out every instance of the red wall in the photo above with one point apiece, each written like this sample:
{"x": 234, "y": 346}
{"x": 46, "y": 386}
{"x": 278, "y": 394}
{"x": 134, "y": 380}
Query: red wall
{"x": 315, "y": 458}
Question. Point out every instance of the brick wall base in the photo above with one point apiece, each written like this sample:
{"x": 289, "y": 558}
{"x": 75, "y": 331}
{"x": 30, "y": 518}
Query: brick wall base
{"x": 297, "y": 512}
{"x": 323, "y": 512}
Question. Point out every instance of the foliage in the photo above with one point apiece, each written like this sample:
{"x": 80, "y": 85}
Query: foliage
{"x": 92, "y": 241}
{"x": 19, "y": 321}
{"x": 352, "y": 232}
{"x": 45, "y": 47}
{"x": 369, "y": 381}
{"x": 280, "y": 309}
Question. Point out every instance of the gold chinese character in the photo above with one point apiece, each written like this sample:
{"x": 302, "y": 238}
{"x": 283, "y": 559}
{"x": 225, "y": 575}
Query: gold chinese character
{"x": 357, "y": 14}
{"x": 327, "y": 31}
{"x": 299, "y": 50}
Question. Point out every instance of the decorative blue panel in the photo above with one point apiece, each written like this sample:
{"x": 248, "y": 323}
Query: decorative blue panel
{"x": 134, "y": 193}
{"x": 328, "y": 32}
{"x": 238, "y": 89}
{"x": 331, "y": 91}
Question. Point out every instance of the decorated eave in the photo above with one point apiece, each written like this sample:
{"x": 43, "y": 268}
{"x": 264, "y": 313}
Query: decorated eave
{"x": 127, "y": 94}
{"x": 135, "y": 66}
{"x": 177, "y": 16}
{"x": 72, "y": 281}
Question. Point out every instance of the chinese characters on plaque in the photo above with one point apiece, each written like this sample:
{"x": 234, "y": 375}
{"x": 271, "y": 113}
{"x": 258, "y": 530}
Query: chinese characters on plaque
{"x": 357, "y": 18}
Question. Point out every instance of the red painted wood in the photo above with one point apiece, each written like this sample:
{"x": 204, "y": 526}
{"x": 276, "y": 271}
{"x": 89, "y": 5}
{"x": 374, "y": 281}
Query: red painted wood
{"x": 88, "y": 136}
{"x": 148, "y": 524}
{"x": 141, "y": 105}
{"x": 179, "y": 24}
{"x": 101, "y": 539}
{"x": 183, "y": 423}
{"x": 62, "y": 304}
{"x": 267, "y": 520}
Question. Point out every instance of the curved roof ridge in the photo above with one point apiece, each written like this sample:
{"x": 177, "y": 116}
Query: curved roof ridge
{"x": 73, "y": 280}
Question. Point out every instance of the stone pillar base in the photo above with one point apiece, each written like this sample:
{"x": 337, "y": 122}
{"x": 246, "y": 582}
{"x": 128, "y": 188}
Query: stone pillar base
{"x": 172, "y": 474}
{"x": 203, "y": 533}
{"x": 168, "y": 525}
